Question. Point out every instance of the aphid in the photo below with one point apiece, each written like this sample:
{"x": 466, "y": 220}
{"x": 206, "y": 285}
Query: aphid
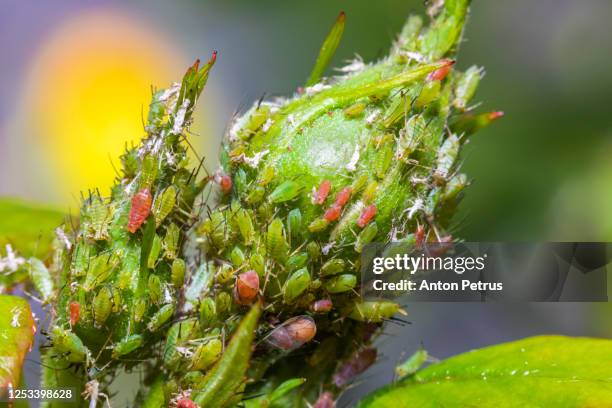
{"x": 429, "y": 93}
{"x": 411, "y": 136}
{"x": 80, "y": 260}
{"x": 314, "y": 250}
{"x": 357, "y": 364}
{"x": 223, "y": 303}
{"x": 354, "y": 110}
{"x": 140, "y": 307}
{"x": 455, "y": 185}
{"x": 318, "y": 225}
{"x": 74, "y": 311}
{"x": 366, "y": 216}
{"x": 412, "y": 364}
{"x": 140, "y": 209}
{"x": 257, "y": 263}
{"x": 225, "y": 273}
{"x": 245, "y": 226}
{"x": 127, "y": 345}
{"x": 296, "y": 261}
{"x": 384, "y": 157}
{"x": 322, "y": 306}
{"x": 321, "y": 194}
{"x": 466, "y": 87}
{"x": 343, "y": 196}
{"x": 71, "y": 345}
{"x": 373, "y": 311}
{"x": 164, "y": 203}
{"x": 286, "y": 191}
{"x": 246, "y": 288}
{"x": 469, "y": 123}
{"x": 447, "y": 154}
{"x": 370, "y": 192}
{"x": 292, "y": 333}
{"x": 332, "y": 267}
{"x": 325, "y": 400}
{"x": 441, "y": 73}
{"x": 178, "y": 334}
{"x": 295, "y": 285}
{"x": 185, "y": 402}
{"x": 154, "y": 285}
{"x": 100, "y": 218}
{"x": 208, "y": 312}
{"x": 206, "y": 354}
{"x": 294, "y": 222}
{"x": 366, "y": 236}
{"x": 276, "y": 244}
{"x": 256, "y": 195}
{"x": 177, "y": 272}
{"x": 102, "y": 305}
{"x": 237, "y": 256}
{"x": 161, "y": 317}
{"x": 156, "y": 248}
{"x": 419, "y": 237}
{"x": 149, "y": 172}
{"x": 266, "y": 176}
{"x": 225, "y": 377}
{"x": 99, "y": 271}
{"x": 341, "y": 283}
{"x": 171, "y": 239}
{"x": 39, "y": 274}
{"x": 224, "y": 181}
{"x": 332, "y": 213}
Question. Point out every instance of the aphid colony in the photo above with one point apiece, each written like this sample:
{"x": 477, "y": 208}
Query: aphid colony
{"x": 266, "y": 310}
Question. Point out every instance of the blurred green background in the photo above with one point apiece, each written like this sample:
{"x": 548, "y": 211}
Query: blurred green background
{"x": 75, "y": 78}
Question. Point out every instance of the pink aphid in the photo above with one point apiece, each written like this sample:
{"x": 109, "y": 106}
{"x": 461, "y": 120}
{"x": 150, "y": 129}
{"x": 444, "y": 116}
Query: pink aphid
{"x": 224, "y": 181}
{"x": 343, "y": 196}
{"x": 140, "y": 209}
{"x": 185, "y": 402}
{"x": 441, "y": 73}
{"x": 321, "y": 194}
{"x": 367, "y": 215}
{"x": 74, "y": 310}
{"x": 332, "y": 213}
{"x": 325, "y": 400}
{"x": 293, "y": 333}
{"x": 321, "y": 306}
{"x": 357, "y": 364}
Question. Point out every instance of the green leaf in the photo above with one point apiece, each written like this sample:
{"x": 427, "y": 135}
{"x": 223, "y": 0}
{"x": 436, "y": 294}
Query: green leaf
{"x": 28, "y": 227}
{"x": 544, "y": 371}
{"x": 16, "y": 336}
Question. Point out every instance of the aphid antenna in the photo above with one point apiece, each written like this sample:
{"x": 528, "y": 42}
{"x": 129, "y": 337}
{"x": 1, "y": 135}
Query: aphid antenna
{"x": 191, "y": 146}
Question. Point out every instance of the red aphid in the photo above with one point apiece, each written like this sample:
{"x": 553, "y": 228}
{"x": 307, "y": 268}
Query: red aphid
{"x": 185, "y": 402}
{"x": 343, "y": 196}
{"x": 325, "y": 400}
{"x": 441, "y": 73}
{"x": 322, "y": 193}
{"x": 224, "y": 181}
{"x": 246, "y": 287}
{"x": 140, "y": 209}
{"x": 357, "y": 364}
{"x": 419, "y": 236}
{"x": 332, "y": 213}
{"x": 74, "y": 310}
{"x": 321, "y": 306}
{"x": 293, "y": 333}
{"x": 367, "y": 215}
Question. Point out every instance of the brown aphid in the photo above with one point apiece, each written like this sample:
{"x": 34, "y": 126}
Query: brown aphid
{"x": 293, "y": 333}
{"x": 140, "y": 209}
{"x": 321, "y": 306}
{"x": 246, "y": 287}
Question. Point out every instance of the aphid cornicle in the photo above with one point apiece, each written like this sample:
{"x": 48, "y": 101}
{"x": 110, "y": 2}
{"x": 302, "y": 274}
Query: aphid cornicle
{"x": 140, "y": 209}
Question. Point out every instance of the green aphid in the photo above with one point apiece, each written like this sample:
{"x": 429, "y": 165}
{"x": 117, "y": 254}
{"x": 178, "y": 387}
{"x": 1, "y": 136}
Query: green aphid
{"x": 373, "y": 311}
{"x": 39, "y": 274}
{"x": 411, "y": 136}
{"x": 223, "y": 303}
{"x": 177, "y": 336}
{"x": 80, "y": 259}
{"x": 256, "y": 195}
{"x": 266, "y": 176}
{"x": 100, "y": 269}
{"x": 161, "y": 317}
{"x": 318, "y": 225}
{"x": 177, "y": 272}
{"x": 447, "y": 155}
{"x": 276, "y": 243}
{"x": 206, "y": 354}
{"x": 225, "y": 273}
{"x": 127, "y": 345}
{"x": 355, "y": 110}
{"x": 70, "y": 345}
{"x": 102, "y": 306}
{"x": 466, "y": 87}
{"x": 296, "y": 261}
{"x": 396, "y": 112}
{"x": 237, "y": 257}
{"x": 341, "y": 283}
{"x": 359, "y": 183}
{"x": 156, "y": 248}
{"x": 215, "y": 228}
{"x": 429, "y": 93}
{"x": 129, "y": 162}
{"x": 171, "y": 241}
{"x": 139, "y": 310}
{"x": 245, "y": 226}
{"x": 332, "y": 267}
{"x": 412, "y": 364}
{"x": 296, "y": 284}
{"x": 258, "y": 263}
{"x": 294, "y": 223}
{"x": 164, "y": 204}
{"x": 370, "y": 192}
{"x": 148, "y": 172}
{"x": 253, "y": 121}
{"x": 156, "y": 291}
{"x": 208, "y": 312}
{"x": 100, "y": 215}
{"x": 314, "y": 250}
{"x": 286, "y": 191}
{"x": 454, "y": 187}
{"x": 366, "y": 236}
{"x": 384, "y": 157}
